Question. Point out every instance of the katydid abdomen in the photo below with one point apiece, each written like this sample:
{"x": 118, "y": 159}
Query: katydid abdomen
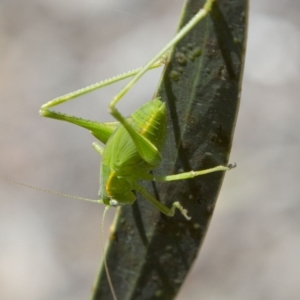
{"x": 122, "y": 165}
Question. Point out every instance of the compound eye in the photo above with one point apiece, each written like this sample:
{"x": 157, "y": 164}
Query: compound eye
{"x": 113, "y": 202}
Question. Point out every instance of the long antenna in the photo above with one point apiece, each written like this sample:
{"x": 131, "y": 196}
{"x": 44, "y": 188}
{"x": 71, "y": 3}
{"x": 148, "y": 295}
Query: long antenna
{"x": 50, "y": 192}
{"x": 104, "y": 257}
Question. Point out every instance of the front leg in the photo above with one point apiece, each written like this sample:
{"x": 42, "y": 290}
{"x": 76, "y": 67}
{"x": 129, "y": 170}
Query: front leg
{"x": 98, "y": 148}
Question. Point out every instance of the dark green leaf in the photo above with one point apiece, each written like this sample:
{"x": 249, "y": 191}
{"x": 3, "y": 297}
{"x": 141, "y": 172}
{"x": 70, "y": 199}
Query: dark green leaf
{"x": 149, "y": 254}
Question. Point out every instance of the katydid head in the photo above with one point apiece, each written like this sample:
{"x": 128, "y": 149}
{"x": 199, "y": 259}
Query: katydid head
{"x": 115, "y": 190}
{"x": 117, "y": 199}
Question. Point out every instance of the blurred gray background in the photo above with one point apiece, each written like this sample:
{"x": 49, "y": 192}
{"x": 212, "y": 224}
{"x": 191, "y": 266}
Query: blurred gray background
{"x": 50, "y": 246}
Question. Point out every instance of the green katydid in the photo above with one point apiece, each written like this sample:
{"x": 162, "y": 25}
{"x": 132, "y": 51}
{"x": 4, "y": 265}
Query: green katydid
{"x": 133, "y": 144}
